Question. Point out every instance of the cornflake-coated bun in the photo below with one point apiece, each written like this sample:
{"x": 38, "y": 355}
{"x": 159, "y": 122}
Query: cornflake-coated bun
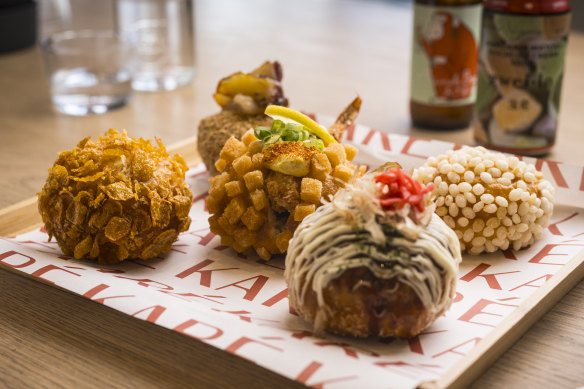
{"x": 376, "y": 261}
{"x": 116, "y": 198}
{"x": 491, "y": 200}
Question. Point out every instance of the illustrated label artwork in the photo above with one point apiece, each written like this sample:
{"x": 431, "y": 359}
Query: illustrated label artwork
{"x": 444, "y": 60}
{"x": 519, "y": 82}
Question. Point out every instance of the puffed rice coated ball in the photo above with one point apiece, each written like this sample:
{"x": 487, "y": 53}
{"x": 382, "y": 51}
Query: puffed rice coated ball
{"x": 492, "y": 201}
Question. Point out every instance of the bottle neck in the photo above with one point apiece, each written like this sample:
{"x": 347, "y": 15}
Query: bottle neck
{"x": 528, "y": 6}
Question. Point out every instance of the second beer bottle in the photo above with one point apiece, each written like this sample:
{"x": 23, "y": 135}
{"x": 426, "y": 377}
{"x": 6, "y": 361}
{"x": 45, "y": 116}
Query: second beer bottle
{"x": 444, "y": 62}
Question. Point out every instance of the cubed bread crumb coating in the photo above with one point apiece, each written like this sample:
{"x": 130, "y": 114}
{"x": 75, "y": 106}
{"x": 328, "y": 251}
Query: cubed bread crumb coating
{"x": 248, "y": 198}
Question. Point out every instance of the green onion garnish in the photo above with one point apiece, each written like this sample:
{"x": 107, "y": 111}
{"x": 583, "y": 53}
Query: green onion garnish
{"x": 316, "y": 143}
{"x": 262, "y": 133}
{"x": 287, "y": 132}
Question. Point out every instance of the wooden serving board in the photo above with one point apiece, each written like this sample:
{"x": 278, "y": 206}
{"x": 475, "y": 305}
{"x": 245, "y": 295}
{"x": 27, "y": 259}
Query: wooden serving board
{"x": 23, "y": 217}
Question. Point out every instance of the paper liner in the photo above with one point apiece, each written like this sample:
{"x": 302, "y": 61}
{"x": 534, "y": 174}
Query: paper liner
{"x": 239, "y": 304}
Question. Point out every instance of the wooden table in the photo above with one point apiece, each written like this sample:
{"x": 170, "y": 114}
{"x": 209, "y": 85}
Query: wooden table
{"x": 330, "y": 52}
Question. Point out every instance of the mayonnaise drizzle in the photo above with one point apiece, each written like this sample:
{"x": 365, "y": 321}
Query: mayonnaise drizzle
{"x": 346, "y": 234}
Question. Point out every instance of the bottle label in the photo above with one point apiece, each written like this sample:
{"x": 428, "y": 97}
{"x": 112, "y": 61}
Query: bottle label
{"x": 444, "y": 54}
{"x": 519, "y": 81}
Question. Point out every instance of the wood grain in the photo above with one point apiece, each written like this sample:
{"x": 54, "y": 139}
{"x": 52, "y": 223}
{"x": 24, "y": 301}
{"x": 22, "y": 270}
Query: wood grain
{"x": 330, "y": 51}
{"x": 512, "y": 327}
{"x": 77, "y": 343}
{"x": 19, "y": 218}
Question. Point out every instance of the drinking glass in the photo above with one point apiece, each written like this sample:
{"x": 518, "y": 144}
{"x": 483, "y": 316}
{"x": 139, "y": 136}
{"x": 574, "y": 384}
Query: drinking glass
{"x": 162, "y": 32}
{"x": 90, "y": 71}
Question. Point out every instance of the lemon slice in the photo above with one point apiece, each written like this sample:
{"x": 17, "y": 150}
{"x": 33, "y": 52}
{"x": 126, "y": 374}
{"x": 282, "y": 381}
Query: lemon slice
{"x": 288, "y": 115}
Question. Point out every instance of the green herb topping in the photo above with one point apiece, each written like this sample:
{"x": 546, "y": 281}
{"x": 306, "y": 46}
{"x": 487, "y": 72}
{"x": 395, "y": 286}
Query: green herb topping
{"x": 287, "y": 132}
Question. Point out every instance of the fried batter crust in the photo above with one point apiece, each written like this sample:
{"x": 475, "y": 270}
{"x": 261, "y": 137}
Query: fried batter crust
{"x": 214, "y": 131}
{"x": 115, "y": 198}
{"x": 283, "y": 191}
{"x": 361, "y": 305}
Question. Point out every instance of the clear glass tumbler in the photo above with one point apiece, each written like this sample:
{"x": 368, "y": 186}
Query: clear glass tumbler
{"x": 162, "y": 32}
{"x": 90, "y": 71}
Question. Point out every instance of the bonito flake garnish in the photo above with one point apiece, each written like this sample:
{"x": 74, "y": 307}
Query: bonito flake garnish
{"x": 116, "y": 198}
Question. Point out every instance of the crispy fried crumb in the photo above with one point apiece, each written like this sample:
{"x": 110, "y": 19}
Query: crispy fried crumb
{"x": 116, "y": 198}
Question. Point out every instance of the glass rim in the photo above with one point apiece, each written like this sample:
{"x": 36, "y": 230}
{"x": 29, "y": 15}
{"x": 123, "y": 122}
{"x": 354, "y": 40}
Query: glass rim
{"x": 48, "y": 43}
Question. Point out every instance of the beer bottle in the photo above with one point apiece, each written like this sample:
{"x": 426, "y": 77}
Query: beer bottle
{"x": 444, "y": 62}
{"x": 521, "y": 68}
